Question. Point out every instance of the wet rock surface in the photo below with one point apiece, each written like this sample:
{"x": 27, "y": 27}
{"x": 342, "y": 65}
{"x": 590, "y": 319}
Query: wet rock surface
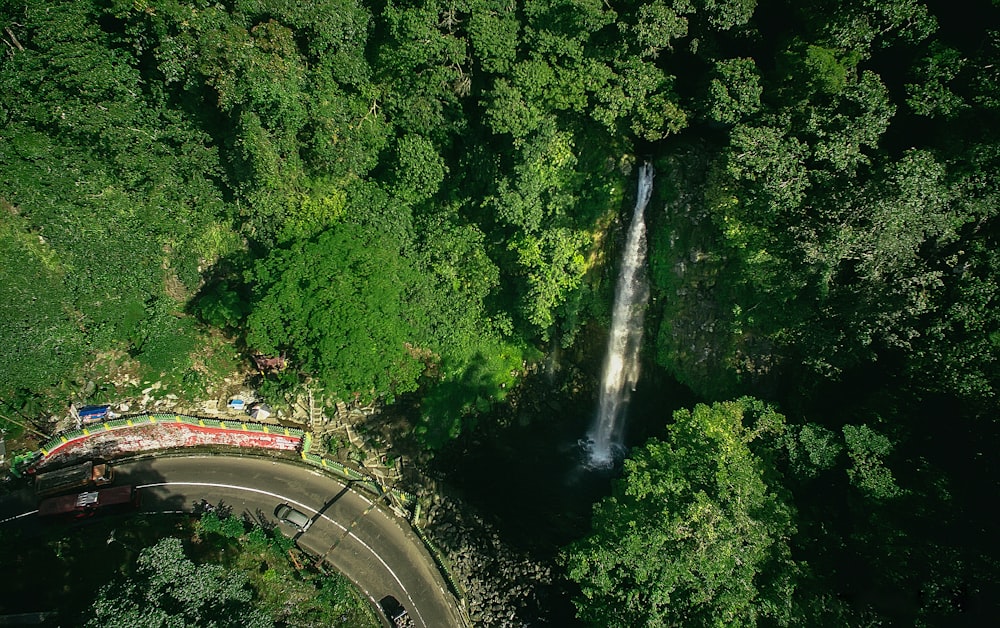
{"x": 503, "y": 586}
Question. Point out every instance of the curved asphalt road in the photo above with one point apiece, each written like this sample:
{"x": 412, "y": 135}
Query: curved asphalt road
{"x": 375, "y": 550}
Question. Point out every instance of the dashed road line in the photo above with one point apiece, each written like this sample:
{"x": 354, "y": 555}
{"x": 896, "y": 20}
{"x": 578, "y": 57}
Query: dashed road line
{"x": 23, "y": 514}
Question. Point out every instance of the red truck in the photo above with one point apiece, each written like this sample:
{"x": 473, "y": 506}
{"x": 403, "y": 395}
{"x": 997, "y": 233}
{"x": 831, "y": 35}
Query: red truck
{"x": 86, "y": 504}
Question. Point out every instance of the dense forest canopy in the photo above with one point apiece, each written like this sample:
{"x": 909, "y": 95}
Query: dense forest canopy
{"x": 170, "y": 158}
{"x": 423, "y": 197}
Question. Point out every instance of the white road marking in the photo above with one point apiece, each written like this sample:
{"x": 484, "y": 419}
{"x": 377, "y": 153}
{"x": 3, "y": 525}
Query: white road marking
{"x": 413, "y": 604}
{"x": 23, "y": 514}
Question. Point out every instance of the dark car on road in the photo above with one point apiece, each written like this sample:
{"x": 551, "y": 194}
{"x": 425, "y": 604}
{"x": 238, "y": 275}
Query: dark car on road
{"x": 289, "y": 515}
{"x": 395, "y": 612}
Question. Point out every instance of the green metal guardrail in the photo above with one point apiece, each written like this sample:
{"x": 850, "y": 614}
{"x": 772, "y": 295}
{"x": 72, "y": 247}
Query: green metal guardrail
{"x": 137, "y": 420}
{"x": 405, "y": 498}
{"x": 441, "y": 563}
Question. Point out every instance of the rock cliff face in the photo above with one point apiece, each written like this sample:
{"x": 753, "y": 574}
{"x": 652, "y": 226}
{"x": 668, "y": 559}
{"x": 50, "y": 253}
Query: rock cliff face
{"x": 503, "y": 587}
{"x": 703, "y": 337}
{"x": 496, "y": 503}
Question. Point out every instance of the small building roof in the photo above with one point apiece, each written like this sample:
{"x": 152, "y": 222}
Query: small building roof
{"x": 260, "y": 411}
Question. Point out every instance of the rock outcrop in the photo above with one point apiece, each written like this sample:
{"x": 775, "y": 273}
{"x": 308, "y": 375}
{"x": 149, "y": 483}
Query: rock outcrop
{"x": 503, "y": 587}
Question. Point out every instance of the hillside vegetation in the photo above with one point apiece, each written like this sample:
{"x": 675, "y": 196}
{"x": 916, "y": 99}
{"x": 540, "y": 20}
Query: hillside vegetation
{"x": 423, "y": 198}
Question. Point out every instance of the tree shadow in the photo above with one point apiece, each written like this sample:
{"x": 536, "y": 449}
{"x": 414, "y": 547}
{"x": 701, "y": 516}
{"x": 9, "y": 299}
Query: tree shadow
{"x": 452, "y": 405}
{"x": 63, "y": 560}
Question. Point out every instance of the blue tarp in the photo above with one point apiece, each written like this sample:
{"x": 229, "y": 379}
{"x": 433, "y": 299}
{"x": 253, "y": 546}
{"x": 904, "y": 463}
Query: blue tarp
{"x": 93, "y": 413}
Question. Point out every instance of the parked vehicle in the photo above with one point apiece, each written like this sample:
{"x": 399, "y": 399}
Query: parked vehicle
{"x": 395, "y": 612}
{"x": 84, "y": 475}
{"x": 87, "y": 503}
{"x": 289, "y": 515}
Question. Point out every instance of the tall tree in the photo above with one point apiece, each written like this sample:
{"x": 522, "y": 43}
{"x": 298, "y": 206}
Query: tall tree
{"x": 697, "y": 531}
{"x": 338, "y": 306}
{"x": 168, "y": 589}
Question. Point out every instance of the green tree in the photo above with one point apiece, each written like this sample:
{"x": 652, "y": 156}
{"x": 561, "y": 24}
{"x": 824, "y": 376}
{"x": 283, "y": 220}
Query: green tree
{"x": 338, "y": 306}
{"x": 119, "y": 183}
{"x": 552, "y": 267}
{"x": 221, "y": 306}
{"x": 867, "y": 449}
{"x": 876, "y": 251}
{"x": 478, "y": 355}
{"x": 734, "y": 91}
{"x": 658, "y": 24}
{"x": 811, "y": 449}
{"x": 864, "y": 25}
{"x": 957, "y": 353}
{"x": 697, "y": 531}
{"x": 494, "y": 35}
{"x": 424, "y": 61}
{"x": 727, "y": 14}
{"x": 168, "y": 589}
{"x": 931, "y": 94}
{"x": 419, "y": 169}
{"x": 773, "y": 161}
{"x": 227, "y": 528}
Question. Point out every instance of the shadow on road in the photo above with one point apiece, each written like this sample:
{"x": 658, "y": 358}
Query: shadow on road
{"x": 58, "y": 562}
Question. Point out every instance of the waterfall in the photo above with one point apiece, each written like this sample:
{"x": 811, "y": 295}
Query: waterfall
{"x": 621, "y": 362}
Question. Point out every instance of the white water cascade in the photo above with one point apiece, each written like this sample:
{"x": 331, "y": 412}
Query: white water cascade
{"x": 621, "y": 363}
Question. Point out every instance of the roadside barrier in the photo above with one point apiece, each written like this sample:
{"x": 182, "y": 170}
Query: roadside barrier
{"x": 404, "y": 499}
{"x": 241, "y": 433}
{"x": 441, "y": 563}
{"x": 336, "y": 467}
{"x": 253, "y": 434}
